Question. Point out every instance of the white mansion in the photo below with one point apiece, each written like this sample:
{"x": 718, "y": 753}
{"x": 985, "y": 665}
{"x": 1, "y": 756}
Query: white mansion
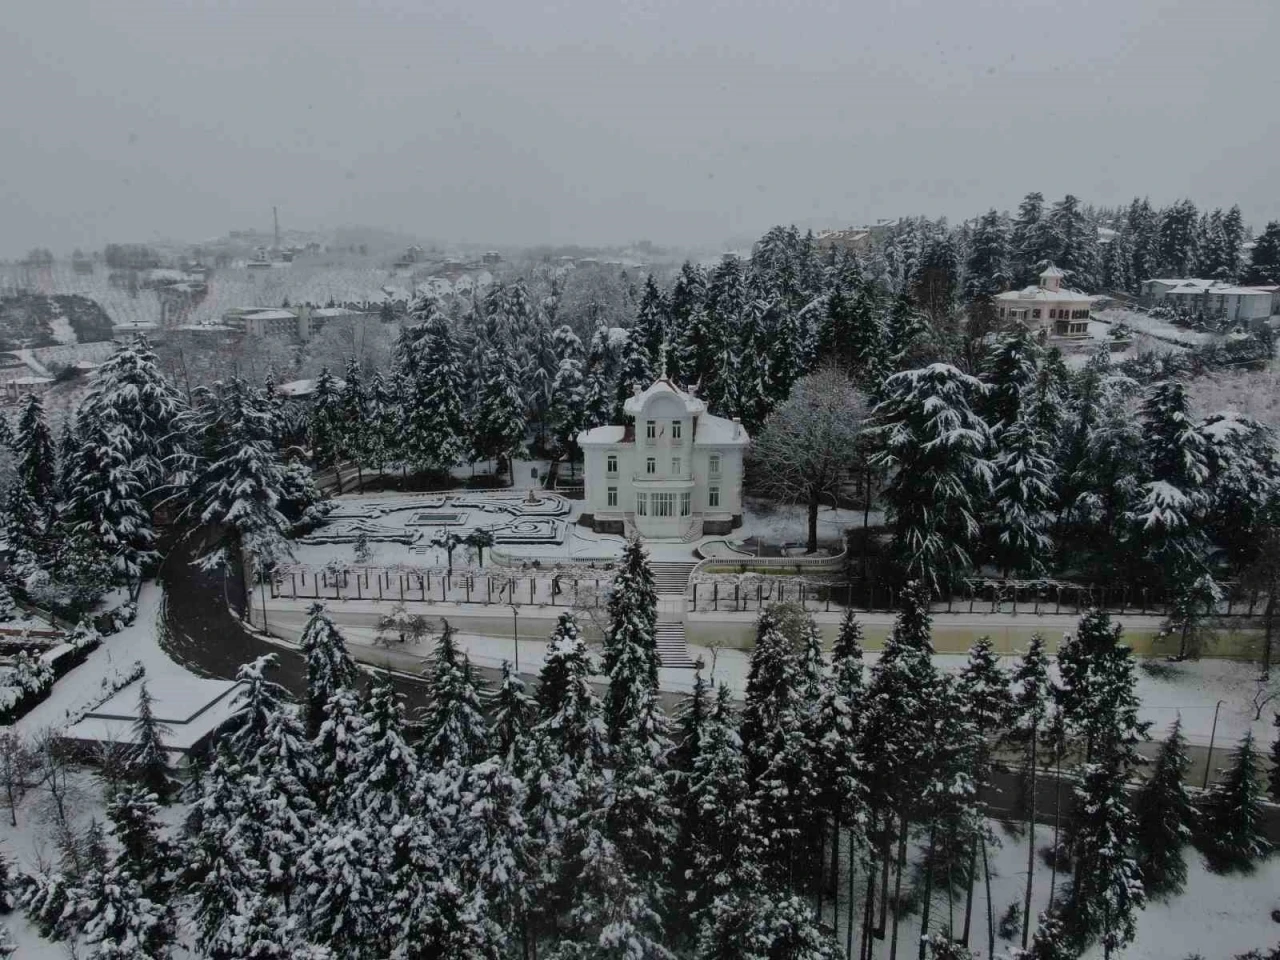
{"x": 1048, "y": 307}
{"x": 673, "y": 472}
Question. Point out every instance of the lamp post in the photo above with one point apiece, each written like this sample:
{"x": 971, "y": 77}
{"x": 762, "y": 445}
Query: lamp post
{"x": 1208, "y": 760}
{"x": 515, "y": 633}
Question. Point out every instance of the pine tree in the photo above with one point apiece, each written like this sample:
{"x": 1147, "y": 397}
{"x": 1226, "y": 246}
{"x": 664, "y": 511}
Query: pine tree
{"x": 385, "y": 768}
{"x": 1073, "y": 243}
{"x": 1231, "y": 835}
{"x": 329, "y": 666}
{"x": 1028, "y": 716}
{"x": 1176, "y": 240}
{"x": 630, "y": 650}
{"x": 434, "y": 429}
{"x": 353, "y": 413}
{"x": 326, "y": 429}
{"x": 237, "y": 490}
{"x": 935, "y": 444}
{"x": 338, "y": 743}
{"x": 766, "y": 925}
{"x": 107, "y": 502}
{"x": 690, "y": 739}
{"x": 454, "y": 729}
{"x": 1274, "y": 780}
{"x": 513, "y": 716}
{"x": 1010, "y": 370}
{"x": 641, "y": 818}
{"x": 1164, "y": 817}
{"x": 568, "y": 414}
{"x": 988, "y": 263}
{"x": 569, "y": 723}
{"x": 382, "y": 439}
{"x": 1023, "y": 474}
{"x": 124, "y": 909}
{"x": 149, "y": 760}
{"x": 726, "y": 846}
{"x": 1028, "y": 242}
{"x": 1264, "y": 264}
{"x": 635, "y": 370}
{"x": 29, "y": 506}
{"x": 499, "y": 420}
{"x": 650, "y": 328}
{"x": 1106, "y": 890}
{"x": 493, "y": 846}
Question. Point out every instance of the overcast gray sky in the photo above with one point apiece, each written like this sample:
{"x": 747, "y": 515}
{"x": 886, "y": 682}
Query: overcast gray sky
{"x": 682, "y": 121}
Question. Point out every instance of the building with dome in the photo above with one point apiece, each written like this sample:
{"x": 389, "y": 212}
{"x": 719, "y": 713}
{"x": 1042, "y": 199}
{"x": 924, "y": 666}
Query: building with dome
{"x": 672, "y": 472}
{"x": 1048, "y": 307}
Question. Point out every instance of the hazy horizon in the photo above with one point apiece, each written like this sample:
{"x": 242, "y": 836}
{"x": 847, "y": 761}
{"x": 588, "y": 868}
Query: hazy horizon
{"x": 687, "y": 124}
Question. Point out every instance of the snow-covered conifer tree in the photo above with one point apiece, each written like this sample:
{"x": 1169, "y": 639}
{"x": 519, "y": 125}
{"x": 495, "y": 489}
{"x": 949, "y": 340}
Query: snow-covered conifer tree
{"x": 1106, "y": 889}
{"x": 513, "y": 716}
{"x": 329, "y": 666}
{"x": 29, "y": 505}
{"x": 1274, "y": 778}
{"x": 337, "y": 745}
{"x": 568, "y": 413}
{"x": 763, "y": 925}
{"x": 1230, "y": 831}
{"x": 499, "y": 420}
{"x": 1164, "y": 817}
{"x": 236, "y": 492}
{"x": 1028, "y": 716}
{"x": 1023, "y": 480}
{"x": 987, "y": 267}
{"x": 935, "y": 444}
{"x": 1009, "y": 370}
{"x": 385, "y": 768}
{"x": 326, "y": 429}
{"x": 493, "y": 847}
{"x": 149, "y": 760}
{"x": 454, "y": 729}
{"x": 353, "y": 412}
{"x": 630, "y": 650}
{"x": 435, "y": 431}
{"x": 650, "y": 327}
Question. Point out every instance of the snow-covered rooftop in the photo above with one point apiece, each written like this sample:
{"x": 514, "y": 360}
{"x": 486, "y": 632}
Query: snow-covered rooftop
{"x": 717, "y": 431}
{"x": 609, "y": 433}
{"x": 663, "y": 387}
{"x": 191, "y": 707}
{"x": 271, "y": 315}
{"x": 1040, "y": 294}
{"x": 304, "y": 388}
{"x": 328, "y": 312}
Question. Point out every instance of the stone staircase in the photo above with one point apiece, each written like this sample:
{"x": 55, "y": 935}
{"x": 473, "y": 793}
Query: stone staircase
{"x": 673, "y": 649}
{"x": 693, "y": 533}
{"x": 670, "y": 576}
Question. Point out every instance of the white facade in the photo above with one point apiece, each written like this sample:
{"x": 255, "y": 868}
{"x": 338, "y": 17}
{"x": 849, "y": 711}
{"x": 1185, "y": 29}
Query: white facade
{"x": 1211, "y": 298}
{"x": 673, "y": 471}
{"x": 1048, "y": 307}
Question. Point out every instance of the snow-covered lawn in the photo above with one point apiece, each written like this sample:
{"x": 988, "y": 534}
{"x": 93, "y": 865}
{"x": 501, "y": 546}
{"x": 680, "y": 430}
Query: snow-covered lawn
{"x": 1215, "y": 916}
{"x": 789, "y": 522}
{"x": 1144, "y": 323}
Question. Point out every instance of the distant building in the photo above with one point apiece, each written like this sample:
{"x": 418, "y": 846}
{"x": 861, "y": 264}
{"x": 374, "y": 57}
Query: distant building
{"x": 675, "y": 471}
{"x": 1048, "y": 306}
{"x": 491, "y": 257}
{"x": 1211, "y": 298}
{"x": 856, "y": 240}
{"x": 301, "y": 323}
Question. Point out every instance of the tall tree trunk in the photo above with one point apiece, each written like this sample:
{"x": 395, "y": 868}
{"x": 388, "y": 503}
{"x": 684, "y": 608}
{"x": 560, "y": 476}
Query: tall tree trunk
{"x": 928, "y": 890}
{"x": 897, "y": 885}
{"x": 968, "y": 896}
{"x": 817, "y": 887}
{"x": 991, "y": 909}
{"x": 869, "y": 909}
{"x": 835, "y": 877}
{"x": 812, "y": 546}
{"x": 1269, "y": 624}
{"x": 1031, "y": 841}
{"x": 360, "y": 474}
{"x": 848, "y": 916}
{"x": 1057, "y": 826}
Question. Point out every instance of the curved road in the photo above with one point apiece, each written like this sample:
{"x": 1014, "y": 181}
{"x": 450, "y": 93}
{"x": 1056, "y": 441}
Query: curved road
{"x": 204, "y": 636}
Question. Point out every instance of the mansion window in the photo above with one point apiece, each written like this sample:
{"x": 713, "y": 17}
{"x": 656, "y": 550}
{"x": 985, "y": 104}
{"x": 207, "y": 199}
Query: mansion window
{"x": 713, "y": 496}
{"x": 611, "y": 497}
{"x": 650, "y": 465}
{"x": 676, "y": 464}
{"x": 1053, "y": 313}
{"x": 650, "y": 429}
{"x": 663, "y": 504}
{"x": 611, "y": 463}
{"x": 642, "y": 504}
{"x": 686, "y": 503}
{"x": 715, "y": 464}
{"x": 1035, "y": 313}
{"x": 675, "y": 429}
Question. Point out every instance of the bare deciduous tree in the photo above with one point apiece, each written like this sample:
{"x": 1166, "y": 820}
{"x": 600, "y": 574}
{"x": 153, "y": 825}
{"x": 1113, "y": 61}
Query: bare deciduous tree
{"x": 809, "y": 445}
{"x": 17, "y": 771}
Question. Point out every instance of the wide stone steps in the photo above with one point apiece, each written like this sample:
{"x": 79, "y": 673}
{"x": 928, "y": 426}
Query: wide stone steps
{"x": 671, "y": 577}
{"x": 673, "y": 648}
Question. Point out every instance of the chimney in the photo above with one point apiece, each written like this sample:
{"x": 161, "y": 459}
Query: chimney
{"x": 737, "y": 427}
{"x": 635, "y": 390}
